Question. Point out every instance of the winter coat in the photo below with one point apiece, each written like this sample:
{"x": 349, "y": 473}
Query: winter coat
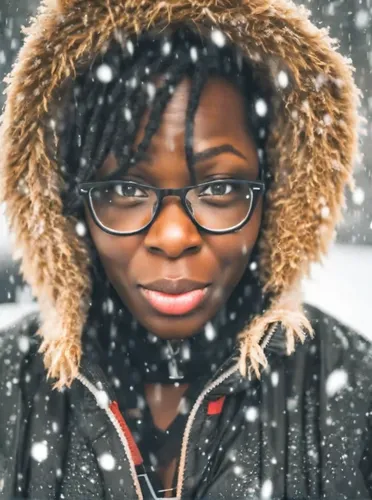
{"x": 303, "y": 431}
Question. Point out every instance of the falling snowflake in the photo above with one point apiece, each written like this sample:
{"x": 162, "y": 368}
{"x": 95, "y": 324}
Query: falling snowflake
{"x": 291, "y": 404}
{"x": 358, "y": 196}
{"x": 133, "y": 82}
{"x": 104, "y": 73}
{"x": 102, "y": 398}
{"x": 218, "y": 38}
{"x": 81, "y": 229}
{"x": 283, "y": 79}
{"x": 327, "y": 119}
{"x": 127, "y": 114}
{"x": 23, "y": 343}
{"x": 210, "y": 332}
{"x": 130, "y": 47}
{"x": 253, "y": 266}
{"x": 362, "y": 19}
{"x": 194, "y": 54}
{"x": 39, "y": 451}
{"x": 336, "y": 381}
{"x": 251, "y": 414}
{"x": 266, "y": 489}
{"x": 238, "y": 470}
{"x": 107, "y": 461}
{"x": 324, "y": 212}
{"x": 151, "y": 90}
{"x": 261, "y": 107}
{"x": 166, "y": 48}
{"x": 275, "y": 379}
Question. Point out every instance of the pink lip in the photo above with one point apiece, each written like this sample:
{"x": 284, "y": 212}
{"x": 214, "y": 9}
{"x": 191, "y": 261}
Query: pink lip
{"x": 174, "y": 304}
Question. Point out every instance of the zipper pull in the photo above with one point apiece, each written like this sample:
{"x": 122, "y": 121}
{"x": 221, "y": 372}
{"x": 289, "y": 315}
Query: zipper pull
{"x": 174, "y": 372}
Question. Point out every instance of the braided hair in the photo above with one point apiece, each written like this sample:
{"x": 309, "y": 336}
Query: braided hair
{"x": 109, "y": 98}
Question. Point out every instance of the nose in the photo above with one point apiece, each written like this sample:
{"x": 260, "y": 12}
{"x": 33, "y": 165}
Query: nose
{"x": 173, "y": 234}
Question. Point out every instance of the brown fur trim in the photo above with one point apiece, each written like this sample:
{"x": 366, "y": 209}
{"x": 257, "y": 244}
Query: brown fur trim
{"x": 287, "y": 310}
{"x": 311, "y": 148}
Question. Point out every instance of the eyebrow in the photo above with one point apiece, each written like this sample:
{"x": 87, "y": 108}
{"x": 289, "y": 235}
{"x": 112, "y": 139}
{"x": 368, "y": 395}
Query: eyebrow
{"x": 197, "y": 157}
{"x": 215, "y": 151}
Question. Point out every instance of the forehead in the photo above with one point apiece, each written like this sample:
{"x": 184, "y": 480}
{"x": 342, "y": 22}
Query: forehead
{"x": 221, "y": 107}
{"x": 220, "y": 117}
{"x": 220, "y": 112}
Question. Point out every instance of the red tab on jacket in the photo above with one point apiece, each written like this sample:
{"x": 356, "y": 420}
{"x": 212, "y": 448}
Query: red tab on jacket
{"x": 136, "y": 454}
{"x": 215, "y": 407}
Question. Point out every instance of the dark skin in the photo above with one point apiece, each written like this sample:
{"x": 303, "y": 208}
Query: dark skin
{"x": 173, "y": 247}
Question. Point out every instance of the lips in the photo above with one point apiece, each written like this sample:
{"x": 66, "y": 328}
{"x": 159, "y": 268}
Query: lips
{"x": 174, "y": 297}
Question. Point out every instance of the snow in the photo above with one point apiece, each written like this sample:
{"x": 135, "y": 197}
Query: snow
{"x": 238, "y": 470}
{"x": 166, "y": 48}
{"x": 261, "y": 107}
{"x": 151, "y": 90}
{"x": 39, "y": 451}
{"x": 266, "y": 489}
{"x": 362, "y": 19}
{"x": 251, "y": 414}
{"x": 194, "y": 54}
{"x": 253, "y": 266}
{"x": 283, "y": 79}
{"x": 102, "y": 398}
{"x": 23, "y": 344}
{"x": 358, "y": 196}
{"x": 218, "y": 38}
{"x": 81, "y": 229}
{"x": 209, "y": 331}
{"x": 324, "y": 212}
{"x": 130, "y": 47}
{"x": 275, "y": 379}
{"x": 127, "y": 114}
{"x": 336, "y": 381}
{"x": 107, "y": 461}
{"x": 104, "y": 73}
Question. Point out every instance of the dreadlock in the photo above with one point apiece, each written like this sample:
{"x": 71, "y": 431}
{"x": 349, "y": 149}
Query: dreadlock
{"x": 109, "y": 98}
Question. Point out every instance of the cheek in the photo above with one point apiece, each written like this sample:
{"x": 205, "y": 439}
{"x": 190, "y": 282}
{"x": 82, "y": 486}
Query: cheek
{"x": 115, "y": 252}
{"x": 234, "y": 249}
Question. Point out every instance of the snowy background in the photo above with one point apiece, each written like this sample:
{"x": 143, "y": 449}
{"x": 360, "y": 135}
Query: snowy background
{"x": 343, "y": 285}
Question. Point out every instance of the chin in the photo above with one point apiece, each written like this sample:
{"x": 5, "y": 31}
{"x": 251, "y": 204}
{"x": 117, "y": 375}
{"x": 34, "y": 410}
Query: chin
{"x": 174, "y": 327}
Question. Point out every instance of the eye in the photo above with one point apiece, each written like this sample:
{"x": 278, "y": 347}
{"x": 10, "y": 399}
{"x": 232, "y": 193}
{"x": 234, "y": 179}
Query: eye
{"x": 129, "y": 191}
{"x": 217, "y": 189}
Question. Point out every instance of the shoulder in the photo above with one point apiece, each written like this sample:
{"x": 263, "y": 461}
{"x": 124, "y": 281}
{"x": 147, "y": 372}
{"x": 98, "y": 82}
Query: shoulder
{"x": 19, "y": 335}
{"x": 341, "y": 347}
{"x": 18, "y": 342}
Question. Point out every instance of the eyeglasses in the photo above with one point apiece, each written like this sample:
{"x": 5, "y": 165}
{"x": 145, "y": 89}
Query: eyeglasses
{"x": 125, "y": 207}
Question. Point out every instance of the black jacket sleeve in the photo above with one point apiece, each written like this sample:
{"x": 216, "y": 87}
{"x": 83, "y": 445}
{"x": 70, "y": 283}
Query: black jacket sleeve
{"x": 15, "y": 343}
{"x": 366, "y": 459}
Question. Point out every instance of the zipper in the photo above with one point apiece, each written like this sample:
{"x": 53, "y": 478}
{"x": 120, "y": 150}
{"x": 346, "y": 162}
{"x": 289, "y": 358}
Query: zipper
{"x": 198, "y": 403}
{"x": 103, "y": 403}
{"x": 269, "y": 335}
{"x": 190, "y": 421}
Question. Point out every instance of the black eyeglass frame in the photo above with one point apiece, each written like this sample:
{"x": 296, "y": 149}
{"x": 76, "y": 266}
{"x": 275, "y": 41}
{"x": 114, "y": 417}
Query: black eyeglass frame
{"x": 85, "y": 190}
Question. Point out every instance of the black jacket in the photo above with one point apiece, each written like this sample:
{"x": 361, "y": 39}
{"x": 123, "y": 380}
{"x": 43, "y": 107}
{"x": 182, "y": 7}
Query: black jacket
{"x": 303, "y": 431}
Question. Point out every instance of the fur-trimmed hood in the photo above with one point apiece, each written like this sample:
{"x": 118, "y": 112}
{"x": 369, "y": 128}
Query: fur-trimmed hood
{"x": 311, "y": 152}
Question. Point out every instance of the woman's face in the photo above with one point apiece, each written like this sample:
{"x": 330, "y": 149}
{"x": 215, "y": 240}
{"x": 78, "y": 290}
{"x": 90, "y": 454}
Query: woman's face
{"x": 173, "y": 249}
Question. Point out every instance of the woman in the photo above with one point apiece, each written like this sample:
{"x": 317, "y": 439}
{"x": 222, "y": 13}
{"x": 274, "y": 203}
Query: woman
{"x": 171, "y": 170}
